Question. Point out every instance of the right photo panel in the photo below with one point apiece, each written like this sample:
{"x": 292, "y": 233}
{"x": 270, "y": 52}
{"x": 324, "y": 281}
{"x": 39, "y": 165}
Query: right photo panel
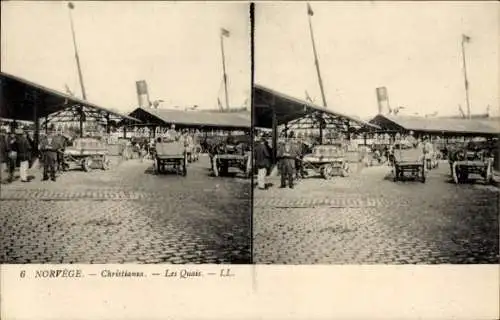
{"x": 376, "y": 133}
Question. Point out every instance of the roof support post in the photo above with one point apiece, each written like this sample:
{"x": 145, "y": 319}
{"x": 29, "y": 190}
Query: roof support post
{"x": 108, "y": 128}
{"x": 275, "y": 134}
{"x": 36, "y": 135}
{"x": 80, "y": 110}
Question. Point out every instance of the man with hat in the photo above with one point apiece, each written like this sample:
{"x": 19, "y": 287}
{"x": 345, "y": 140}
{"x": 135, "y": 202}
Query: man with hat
{"x": 262, "y": 158}
{"x": 49, "y": 150}
{"x": 23, "y": 148}
{"x": 171, "y": 133}
{"x": 287, "y": 154}
{"x": 3, "y": 152}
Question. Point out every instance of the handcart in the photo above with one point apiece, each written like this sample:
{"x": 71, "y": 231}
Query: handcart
{"x": 170, "y": 154}
{"x": 409, "y": 166}
{"x": 472, "y": 163}
{"x": 87, "y": 153}
{"x": 326, "y": 160}
{"x": 232, "y": 156}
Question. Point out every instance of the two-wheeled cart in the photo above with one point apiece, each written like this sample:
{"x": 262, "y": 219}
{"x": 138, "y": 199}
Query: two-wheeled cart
{"x": 86, "y": 153}
{"x": 170, "y": 155}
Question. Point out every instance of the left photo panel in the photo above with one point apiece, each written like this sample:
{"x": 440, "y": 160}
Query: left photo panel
{"x": 125, "y": 133}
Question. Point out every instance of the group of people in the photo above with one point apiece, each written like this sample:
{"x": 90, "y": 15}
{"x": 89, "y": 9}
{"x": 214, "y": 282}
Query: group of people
{"x": 18, "y": 149}
{"x": 289, "y": 156}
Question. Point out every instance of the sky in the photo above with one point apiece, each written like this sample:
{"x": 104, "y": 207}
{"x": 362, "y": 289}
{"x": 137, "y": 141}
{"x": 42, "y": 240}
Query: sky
{"x": 175, "y": 47}
{"x": 412, "y": 48}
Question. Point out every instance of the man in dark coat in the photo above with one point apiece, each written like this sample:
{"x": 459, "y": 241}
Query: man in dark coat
{"x": 11, "y": 148}
{"x": 287, "y": 154}
{"x": 3, "y": 153}
{"x": 23, "y": 148}
{"x": 262, "y": 158}
{"x": 49, "y": 152}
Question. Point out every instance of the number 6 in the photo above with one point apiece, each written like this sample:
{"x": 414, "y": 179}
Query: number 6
{"x": 23, "y": 274}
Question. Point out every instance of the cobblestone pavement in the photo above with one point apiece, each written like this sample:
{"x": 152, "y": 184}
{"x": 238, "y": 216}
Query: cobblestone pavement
{"x": 369, "y": 219}
{"x": 127, "y": 215}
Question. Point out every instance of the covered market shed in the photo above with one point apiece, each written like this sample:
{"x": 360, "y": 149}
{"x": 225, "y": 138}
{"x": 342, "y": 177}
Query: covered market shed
{"x": 443, "y": 127}
{"x": 163, "y": 118}
{"x": 273, "y": 109}
{"x": 24, "y": 100}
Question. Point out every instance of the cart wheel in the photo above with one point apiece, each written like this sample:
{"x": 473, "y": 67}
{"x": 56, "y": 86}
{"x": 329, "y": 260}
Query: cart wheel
{"x": 327, "y": 171}
{"x": 345, "y": 170}
{"x": 489, "y": 174}
{"x": 155, "y": 166}
{"x": 105, "y": 163}
{"x": 224, "y": 169}
{"x": 87, "y": 164}
{"x": 248, "y": 171}
{"x": 215, "y": 166}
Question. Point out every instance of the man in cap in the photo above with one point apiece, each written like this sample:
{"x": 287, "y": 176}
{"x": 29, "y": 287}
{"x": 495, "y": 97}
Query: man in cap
{"x": 23, "y": 148}
{"x": 287, "y": 155}
{"x": 3, "y": 152}
{"x": 49, "y": 155}
{"x": 172, "y": 133}
{"x": 262, "y": 158}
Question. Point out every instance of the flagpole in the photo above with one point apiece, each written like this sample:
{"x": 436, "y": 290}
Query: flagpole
{"x": 71, "y": 6}
{"x": 316, "y": 62}
{"x": 466, "y": 81}
{"x": 224, "y": 68}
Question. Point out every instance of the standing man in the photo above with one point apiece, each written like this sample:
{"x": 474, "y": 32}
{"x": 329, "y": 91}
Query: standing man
{"x": 23, "y": 148}
{"x": 427, "y": 151}
{"x": 262, "y": 159}
{"x": 3, "y": 153}
{"x": 49, "y": 154}
{"x": 171, "y": 133}
{"x": 11, "y": 155}
{"x": 287, "y": 156}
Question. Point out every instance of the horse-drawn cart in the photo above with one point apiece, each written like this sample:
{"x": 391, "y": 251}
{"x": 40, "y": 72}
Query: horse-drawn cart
{"x": 326, "y": 160}
{"x": 469, "y": 162}
{"x": 170, "y": 154}
{"x": 87, "y": 153}
{"x": 412, "y": 165}
{"x": 232, "y": 156}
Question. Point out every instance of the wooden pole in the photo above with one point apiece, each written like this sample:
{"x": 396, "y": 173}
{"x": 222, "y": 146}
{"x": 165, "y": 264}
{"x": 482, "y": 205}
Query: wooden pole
{"x": 224, "y": 69}
{"x": 316, "y": 62}
{"x": 275, "y": 135}
{"x": 77, "y": 58}
{"x": 466, "y": 81}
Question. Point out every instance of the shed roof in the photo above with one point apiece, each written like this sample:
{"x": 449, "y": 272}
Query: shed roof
{"x": 222, "y": 120}
{"x": 289, "y": 108}
{"x": 18, "y": 95}
{"x": 439, "y": 125}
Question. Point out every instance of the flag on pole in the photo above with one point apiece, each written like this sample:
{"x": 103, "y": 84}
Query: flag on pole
{"x": 310, "y": 10}
{"x": 224, "y": 32}
{"x": 465, "y": 38}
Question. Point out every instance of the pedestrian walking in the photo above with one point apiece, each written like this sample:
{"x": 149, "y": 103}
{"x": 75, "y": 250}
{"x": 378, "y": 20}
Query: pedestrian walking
{"x": 23, "y": 148}
{"x": 262, "y": 158}
{"x": 49, "y": 155}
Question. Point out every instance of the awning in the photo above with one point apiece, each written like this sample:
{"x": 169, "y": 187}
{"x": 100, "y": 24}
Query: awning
{"x": 18, "y": 97}
{"x": 290, "y": 109}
